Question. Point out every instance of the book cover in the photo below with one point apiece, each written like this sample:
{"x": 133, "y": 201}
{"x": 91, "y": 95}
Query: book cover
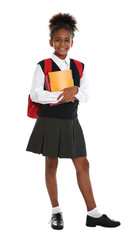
{"x": 60, "y": 80}
{"x": 47, "y": 83}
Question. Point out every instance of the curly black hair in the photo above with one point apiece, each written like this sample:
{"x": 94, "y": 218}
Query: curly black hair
{"x": 62, "y": 20}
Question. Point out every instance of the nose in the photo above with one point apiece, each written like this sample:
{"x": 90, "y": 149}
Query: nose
{"x": 62, "y": 43}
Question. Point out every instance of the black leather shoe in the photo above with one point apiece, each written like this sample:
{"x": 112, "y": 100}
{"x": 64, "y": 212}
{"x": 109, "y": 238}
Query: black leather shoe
{"x": 57, "y": 221}
{"x": 103, "y": 221}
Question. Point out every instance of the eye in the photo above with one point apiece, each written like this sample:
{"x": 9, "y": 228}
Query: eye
{"x": 67, "y": 40}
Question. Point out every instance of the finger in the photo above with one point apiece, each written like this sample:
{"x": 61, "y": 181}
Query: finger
{"x": 72, "y": 99}
{"x": 62, "y": 94}
{"x": 64, "y": 99}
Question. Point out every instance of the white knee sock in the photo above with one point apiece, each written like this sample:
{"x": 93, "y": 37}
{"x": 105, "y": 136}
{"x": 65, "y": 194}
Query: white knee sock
{"x": 94, "y": 213}
{"x": 56, "y": 209}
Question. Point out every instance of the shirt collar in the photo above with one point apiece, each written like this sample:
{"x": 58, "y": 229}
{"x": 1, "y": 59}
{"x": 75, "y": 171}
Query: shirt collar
{"x": 58, "y": 61}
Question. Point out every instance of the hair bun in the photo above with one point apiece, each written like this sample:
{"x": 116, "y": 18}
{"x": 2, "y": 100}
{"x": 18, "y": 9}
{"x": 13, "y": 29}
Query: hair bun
{"x": 64, "y": 18}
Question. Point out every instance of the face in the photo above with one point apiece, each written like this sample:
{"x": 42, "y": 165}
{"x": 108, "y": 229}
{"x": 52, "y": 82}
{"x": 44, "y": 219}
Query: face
{"x": 61, "y": 42}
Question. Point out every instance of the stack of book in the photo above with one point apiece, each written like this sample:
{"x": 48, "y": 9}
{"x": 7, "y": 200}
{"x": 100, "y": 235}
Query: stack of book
{"x": 57, "y": 81}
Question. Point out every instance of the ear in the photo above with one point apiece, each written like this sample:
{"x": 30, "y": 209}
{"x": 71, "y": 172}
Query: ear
{"x": 51, "y": 43}
{"x": 72, "y": 43}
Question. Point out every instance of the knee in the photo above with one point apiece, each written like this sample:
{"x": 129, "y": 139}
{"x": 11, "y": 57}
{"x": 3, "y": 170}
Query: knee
{"x": 51, "y": 165}
{"x": 83, "y": 165}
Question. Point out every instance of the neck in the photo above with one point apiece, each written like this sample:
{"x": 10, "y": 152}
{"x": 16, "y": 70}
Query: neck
{"x": 59, "y": 56}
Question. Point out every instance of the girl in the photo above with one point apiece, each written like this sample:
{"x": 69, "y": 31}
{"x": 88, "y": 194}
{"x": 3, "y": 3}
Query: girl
{"x": 57, "y": 132}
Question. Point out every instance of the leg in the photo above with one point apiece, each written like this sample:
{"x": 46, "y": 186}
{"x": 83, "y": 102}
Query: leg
{"x": 82, "y": 171}
{"x": 50, "y": 177}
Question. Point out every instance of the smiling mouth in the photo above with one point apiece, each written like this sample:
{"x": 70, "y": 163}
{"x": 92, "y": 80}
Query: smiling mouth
{"x": 62, "y": 49}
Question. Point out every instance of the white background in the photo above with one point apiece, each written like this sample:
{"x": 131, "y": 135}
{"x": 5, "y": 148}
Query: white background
{"x": 106, "y": 44}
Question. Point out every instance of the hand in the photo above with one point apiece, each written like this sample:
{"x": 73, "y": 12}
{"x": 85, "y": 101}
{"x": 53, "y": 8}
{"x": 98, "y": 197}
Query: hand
{"x": 68, "y": 94}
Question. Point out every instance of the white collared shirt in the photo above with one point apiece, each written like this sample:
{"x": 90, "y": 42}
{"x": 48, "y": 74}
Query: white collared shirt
{"x": 39, "y": 95}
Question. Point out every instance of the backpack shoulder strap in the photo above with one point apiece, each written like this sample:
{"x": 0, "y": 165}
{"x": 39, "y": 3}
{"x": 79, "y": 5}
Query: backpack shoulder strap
{"x": 80, "y": 67}
{"x": 47, "y": 65}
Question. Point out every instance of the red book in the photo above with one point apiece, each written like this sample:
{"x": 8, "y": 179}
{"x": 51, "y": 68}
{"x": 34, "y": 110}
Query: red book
{"x": 47, "y": 83}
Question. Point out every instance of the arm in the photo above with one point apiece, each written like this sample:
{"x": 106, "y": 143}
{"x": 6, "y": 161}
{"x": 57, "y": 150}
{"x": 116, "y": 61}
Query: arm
{"x": 83, "y": 91}
{"x": 37, "y": 93}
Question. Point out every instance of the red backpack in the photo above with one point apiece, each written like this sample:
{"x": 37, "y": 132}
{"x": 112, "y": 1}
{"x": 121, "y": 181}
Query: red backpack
{"x": 33, "y": 107}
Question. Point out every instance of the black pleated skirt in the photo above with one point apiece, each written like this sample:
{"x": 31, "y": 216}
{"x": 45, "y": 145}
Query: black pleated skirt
{"x": 54, "y": 137}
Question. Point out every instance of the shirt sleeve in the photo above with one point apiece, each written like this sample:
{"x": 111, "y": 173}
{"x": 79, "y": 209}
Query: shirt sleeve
{"x": 37, "y": 93}
{"x": 83, "y": 91}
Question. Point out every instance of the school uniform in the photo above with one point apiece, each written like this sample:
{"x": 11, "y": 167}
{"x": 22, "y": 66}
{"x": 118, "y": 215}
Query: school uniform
{"x": 57, "y": 131}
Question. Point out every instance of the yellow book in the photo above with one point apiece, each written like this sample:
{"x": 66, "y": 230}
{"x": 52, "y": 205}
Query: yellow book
{"x": 60, "y": 80}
